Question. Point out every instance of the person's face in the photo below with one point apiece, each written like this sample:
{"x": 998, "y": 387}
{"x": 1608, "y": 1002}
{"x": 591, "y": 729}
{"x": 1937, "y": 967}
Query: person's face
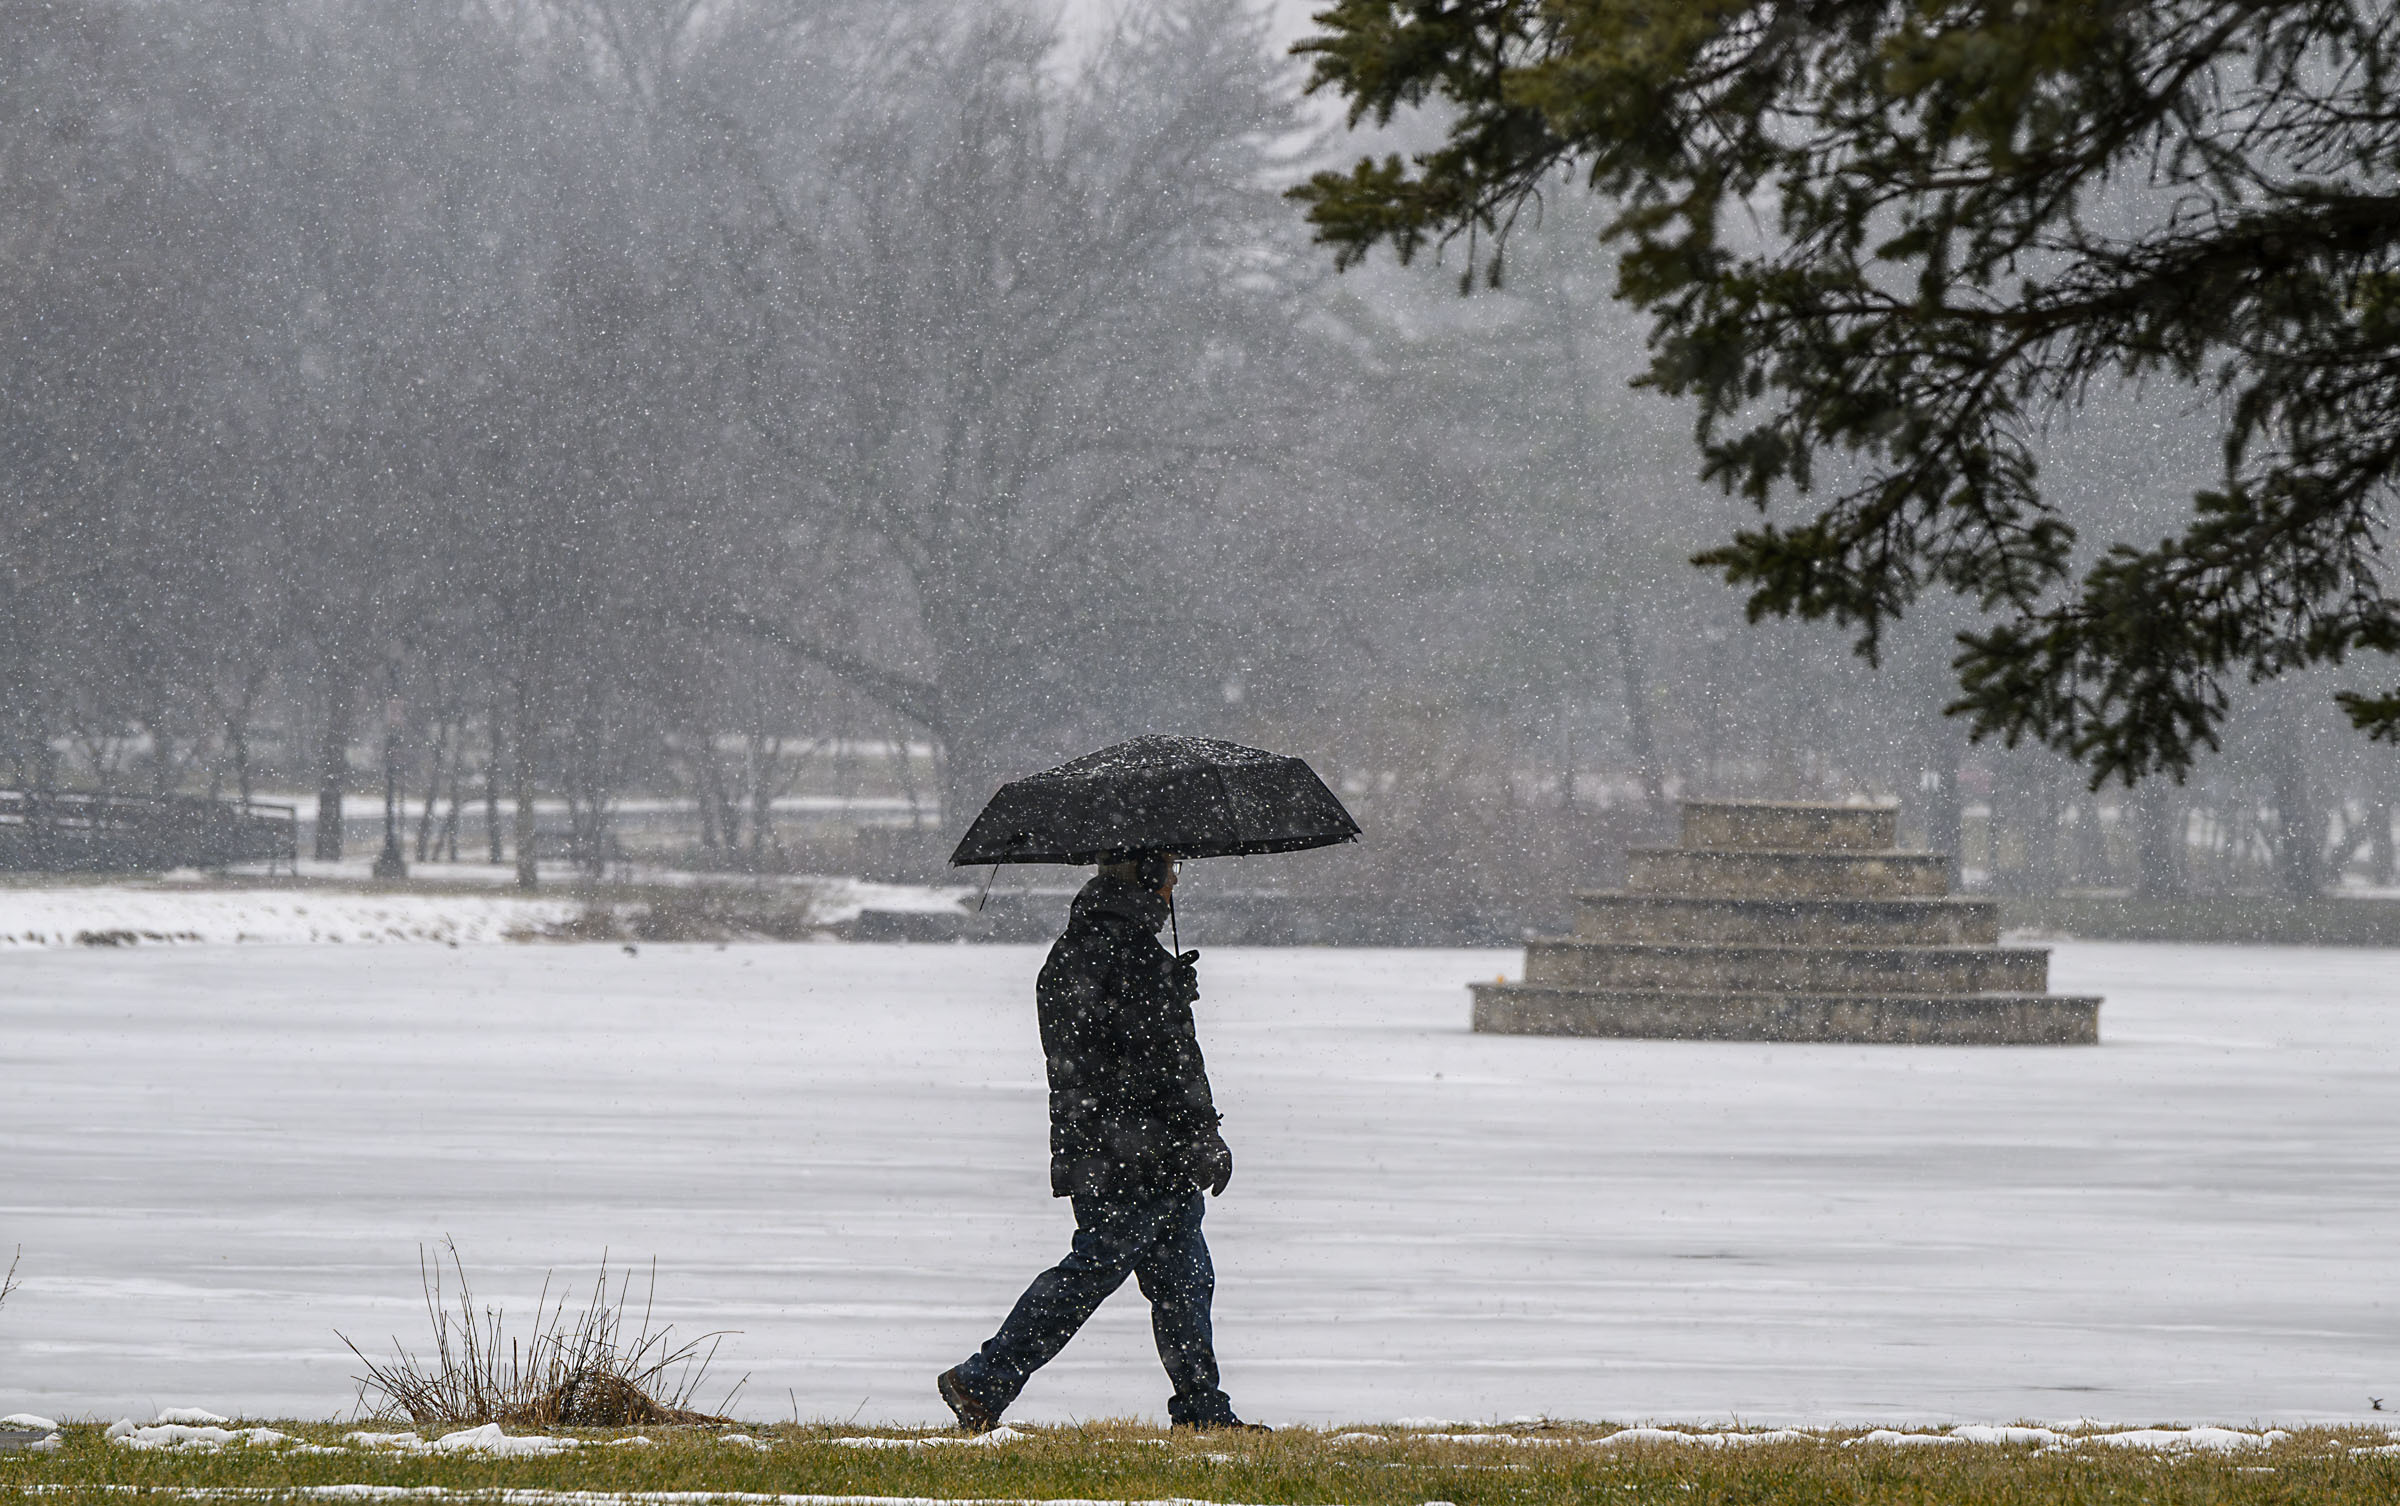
{"x": 1167, "y": 889}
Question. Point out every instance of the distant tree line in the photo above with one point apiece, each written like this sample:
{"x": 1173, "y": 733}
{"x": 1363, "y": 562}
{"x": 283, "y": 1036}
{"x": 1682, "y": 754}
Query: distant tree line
{"x": 558, "y": 374}
{"x": 576, "y": 399}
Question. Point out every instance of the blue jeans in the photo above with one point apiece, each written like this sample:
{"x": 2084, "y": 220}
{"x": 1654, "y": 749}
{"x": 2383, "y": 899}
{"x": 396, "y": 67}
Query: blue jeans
{"x": 1158, "y": 1243}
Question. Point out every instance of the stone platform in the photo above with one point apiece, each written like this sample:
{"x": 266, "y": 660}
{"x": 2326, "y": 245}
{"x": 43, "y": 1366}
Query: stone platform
{"x": 1787, "y": 922}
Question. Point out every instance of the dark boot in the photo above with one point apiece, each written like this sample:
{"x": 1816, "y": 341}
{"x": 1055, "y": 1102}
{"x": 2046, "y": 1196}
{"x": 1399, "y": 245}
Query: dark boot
{"x": 1225, "y": 1424}
{"x": 975, "y": 1415}
{"x": 1208, "y": 1412}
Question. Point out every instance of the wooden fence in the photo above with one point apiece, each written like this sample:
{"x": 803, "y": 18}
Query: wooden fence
{"x": 75, "y": 831}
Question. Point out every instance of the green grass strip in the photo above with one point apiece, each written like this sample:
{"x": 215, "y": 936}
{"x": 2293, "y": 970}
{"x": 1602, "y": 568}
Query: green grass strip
{"x": 1132, "y": 1464}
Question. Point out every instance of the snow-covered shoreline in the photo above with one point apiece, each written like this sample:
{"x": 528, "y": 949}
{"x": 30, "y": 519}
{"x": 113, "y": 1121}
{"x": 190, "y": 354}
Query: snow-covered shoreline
{"x": 159, "y": 913}
{"x": 128, "y": 915}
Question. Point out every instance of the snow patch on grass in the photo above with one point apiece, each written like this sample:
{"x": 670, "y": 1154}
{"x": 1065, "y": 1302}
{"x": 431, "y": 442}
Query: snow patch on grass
{"x": 2211, "y": 1440}
{"x": 992, "y": 1439}
{"x": 528, "y": 1497}
{"x": 179, "y": 1438}
{"x": 488, "y": 1439}
{"x": 2164, "y": 1440}
{"x": 1702, "y": 1440}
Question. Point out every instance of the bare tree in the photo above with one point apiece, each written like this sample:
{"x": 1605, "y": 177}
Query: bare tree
{"x": 1035, "y": 308}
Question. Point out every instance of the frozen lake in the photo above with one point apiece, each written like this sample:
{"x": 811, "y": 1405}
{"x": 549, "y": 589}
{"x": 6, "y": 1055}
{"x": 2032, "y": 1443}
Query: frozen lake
{"x": 215, "y": 1157}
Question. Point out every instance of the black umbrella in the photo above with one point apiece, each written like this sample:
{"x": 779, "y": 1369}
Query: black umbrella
{"x": 1195, "y": 797}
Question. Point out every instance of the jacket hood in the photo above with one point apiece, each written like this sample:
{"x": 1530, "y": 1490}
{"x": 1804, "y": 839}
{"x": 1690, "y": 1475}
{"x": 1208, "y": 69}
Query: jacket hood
{"x": 1146, "y": 908}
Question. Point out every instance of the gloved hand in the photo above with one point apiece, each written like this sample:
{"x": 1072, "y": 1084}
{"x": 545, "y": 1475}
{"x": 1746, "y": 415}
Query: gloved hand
{"x": 1212, "y": 1164}
{"x": 1184, "y": 978}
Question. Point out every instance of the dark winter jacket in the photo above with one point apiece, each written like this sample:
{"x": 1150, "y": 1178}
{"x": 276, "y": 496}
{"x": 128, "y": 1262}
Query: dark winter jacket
{"x": 1130, "y": 1111}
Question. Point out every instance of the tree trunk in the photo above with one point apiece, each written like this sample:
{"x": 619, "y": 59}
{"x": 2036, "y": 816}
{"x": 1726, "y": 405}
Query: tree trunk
{"x": 1945, "y": 811}
{"x": 704, "y": 764}
{"x": 979, "y": 737}
{"x": 968, "y": 778}
{"x": 2158, "y": 830}
{"x": 491, "y": 786}
{"x": 522, "y": 780}
{"x": 1564, "y": 713}
{"x": 237, "y": 732}
{"x": 440, "y": 754}
{"x": 237, "y": 735}
{"x": 2076, "y": 864}
{"x": 2008, "y": 818}
{"x": 1940, "y": 803}
{"x": 908, "y": 783}
{"x": 720, "y": 798}
{"x": 2040, "y": 814}
{"x": 333, "y": 768}
{"x": 161, "y": 756}
{"x": 2299, "y": 828}
{"x": 448, "y": 842}
{"x": 762, "y": 797}
{"x": 1711, "y": 714}
{"x": 588, "y": 789}
{"x": 1640, "y": 741}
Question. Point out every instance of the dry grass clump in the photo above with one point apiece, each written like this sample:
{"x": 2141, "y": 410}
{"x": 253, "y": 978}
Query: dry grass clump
{"x": 590, "y": 1371}
{"x": 695, "y": 912}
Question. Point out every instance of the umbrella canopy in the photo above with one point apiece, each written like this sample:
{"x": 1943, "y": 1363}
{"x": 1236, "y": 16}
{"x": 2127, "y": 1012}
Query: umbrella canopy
{"x": 1195, "y": 797}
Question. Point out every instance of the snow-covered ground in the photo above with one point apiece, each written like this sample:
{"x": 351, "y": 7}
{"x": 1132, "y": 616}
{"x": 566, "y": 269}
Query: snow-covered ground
{"x": 136, "y": 914}
{"x": 172, "y": 912}
{"x": 215, "y": 1157}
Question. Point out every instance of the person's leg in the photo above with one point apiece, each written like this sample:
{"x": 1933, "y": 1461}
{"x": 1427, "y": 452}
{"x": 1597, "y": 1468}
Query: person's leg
{"x": 1109, "y": 1239}
{"x": 1177, "y": 1276}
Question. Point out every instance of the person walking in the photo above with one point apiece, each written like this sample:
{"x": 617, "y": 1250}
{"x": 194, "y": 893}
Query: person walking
{"x": 1133, "y": 1139}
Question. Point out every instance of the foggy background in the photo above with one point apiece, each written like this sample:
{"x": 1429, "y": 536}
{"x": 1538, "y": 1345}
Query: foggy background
{"x": 741, "y": 434}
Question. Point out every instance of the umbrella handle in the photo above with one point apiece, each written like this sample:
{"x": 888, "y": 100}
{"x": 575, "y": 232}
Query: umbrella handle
{"x": 987, "y": 888}
{"x": 1172, "y": 929}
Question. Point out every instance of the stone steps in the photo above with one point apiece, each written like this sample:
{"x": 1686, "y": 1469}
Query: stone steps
{"x": 1985, "y": 1019}
{"x": 1773, "y": 873}
{"x": 1614, "y": 915}
{"x": 1711, "y": 968}
{"x": 1783, "y": 921}
{"x": 1789, "y": 825}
